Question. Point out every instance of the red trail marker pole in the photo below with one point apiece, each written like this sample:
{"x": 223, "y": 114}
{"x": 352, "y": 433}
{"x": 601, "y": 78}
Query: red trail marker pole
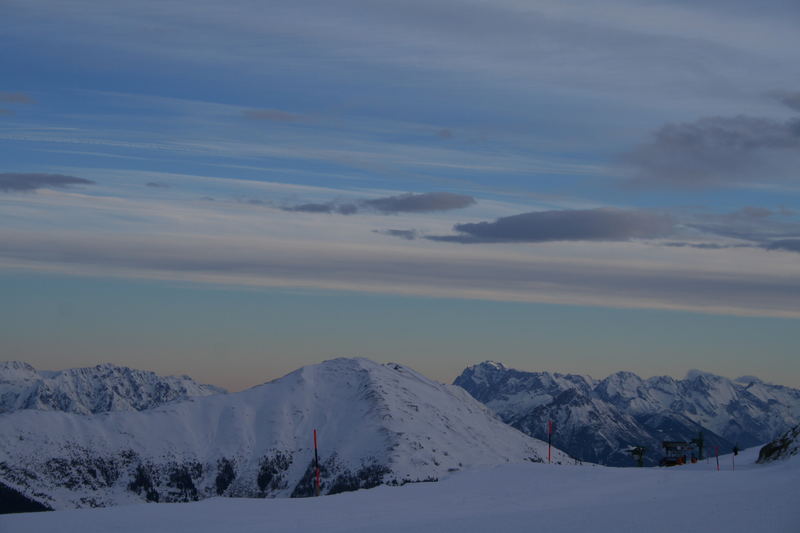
{"x": 549, "y": 438}
{"x": 316, "y": 464}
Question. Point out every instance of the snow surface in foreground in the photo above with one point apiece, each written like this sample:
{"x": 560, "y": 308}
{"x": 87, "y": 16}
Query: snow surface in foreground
{"x": 508, "y": 498}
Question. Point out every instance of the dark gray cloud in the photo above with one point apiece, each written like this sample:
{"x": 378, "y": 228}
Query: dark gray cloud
{"x": 157, "y": 185}
{"x": 403, "y": 203}
{"x": 749, "y": 227}
{"x": 312, "y": 208}
{"x": 347, "y": 209}
{"x": 16, "y": 98}
{"x": 420, "y": 203}
{"x": 756, "y": 224}
{"x": 14, "y": 181}
{"x": 327, "y": 207}
{"x": 408, "y": 234}
{"x": 791, "y": 245}
{"x": 750, "y": 212}
{"x": 565, "y": 225}
{"x": 254, "y": 201}
{"x": 719, "y": 151}
{"x": 706, "y": 245}
{"x": 791, "y": 100}
{"x": 247, "y": 200}
{"x": 274, "y": 115}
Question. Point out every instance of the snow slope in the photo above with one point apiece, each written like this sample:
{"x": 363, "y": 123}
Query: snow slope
{"x": 597, "y": 420}
{"x": 509, "y": 498}
{"x": 376, "y": 423}
{"x": 97, "y": 389}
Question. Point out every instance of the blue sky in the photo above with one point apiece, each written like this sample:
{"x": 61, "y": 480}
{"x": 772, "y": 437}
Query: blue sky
{"x": 388, "y": 179}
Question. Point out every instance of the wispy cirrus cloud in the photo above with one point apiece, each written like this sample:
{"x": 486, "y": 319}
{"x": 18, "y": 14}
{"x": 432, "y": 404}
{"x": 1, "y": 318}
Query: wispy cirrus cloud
{"x": 728, "y": 287}
{"x": 20, "y": 181}
{"x": 652, "y": 39}
{"x": 273, "y": 115}
{"x": 221, "y": 243}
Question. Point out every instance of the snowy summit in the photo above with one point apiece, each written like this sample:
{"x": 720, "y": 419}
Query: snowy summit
{"x": 96, "y": 389}
{"x": 377, "y": 424}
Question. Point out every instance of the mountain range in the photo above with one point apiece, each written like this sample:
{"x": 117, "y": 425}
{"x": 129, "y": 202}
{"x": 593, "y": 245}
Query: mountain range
{"x": 109, "y": 435}
{"x": 91, "y": 390}
{"x": 600, "y": 420}
{"x": 377, "y": 424}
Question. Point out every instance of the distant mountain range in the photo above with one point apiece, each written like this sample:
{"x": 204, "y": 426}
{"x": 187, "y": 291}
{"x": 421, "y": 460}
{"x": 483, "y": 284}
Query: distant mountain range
{"x": 110, "y": 435}
{"x": 377, "y": 424}
{"x": 599, "y": 420}
{"x": 98, "y": 389}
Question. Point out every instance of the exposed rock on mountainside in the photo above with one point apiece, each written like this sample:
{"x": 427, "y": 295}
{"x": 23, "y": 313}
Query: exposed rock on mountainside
{"x": 598, "y": 421}
{"x": 377, "y": 424}
{"x": 785, "y": 446}
{"x": 96, "y": 389}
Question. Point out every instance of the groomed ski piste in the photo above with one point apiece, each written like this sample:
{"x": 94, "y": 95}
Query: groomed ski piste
{"x": 508, "y": 498}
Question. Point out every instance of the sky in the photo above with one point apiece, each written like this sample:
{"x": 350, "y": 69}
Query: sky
{"x": 233, "y": 190}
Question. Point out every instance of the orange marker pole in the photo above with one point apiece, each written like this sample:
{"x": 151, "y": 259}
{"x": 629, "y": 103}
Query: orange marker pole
{"x": 549, "y": 438}
{"x": 316, "y": 464}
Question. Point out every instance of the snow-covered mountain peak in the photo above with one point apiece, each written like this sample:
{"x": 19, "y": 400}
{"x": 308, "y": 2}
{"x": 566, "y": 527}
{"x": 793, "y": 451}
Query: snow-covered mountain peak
{"x": 621, "y": 385}
{"x": 662, "y": 381}
{"x": 486, "y": 371}
{"x": 624, "y": 376}
{"x": 695, "y": 374}
{"x": 596, "y": 419}
{"x": 101, "y": 388}
{"x": 376, "y": 423}
{"x": 14, "y": 370}
{"x": 13, "y": 365}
